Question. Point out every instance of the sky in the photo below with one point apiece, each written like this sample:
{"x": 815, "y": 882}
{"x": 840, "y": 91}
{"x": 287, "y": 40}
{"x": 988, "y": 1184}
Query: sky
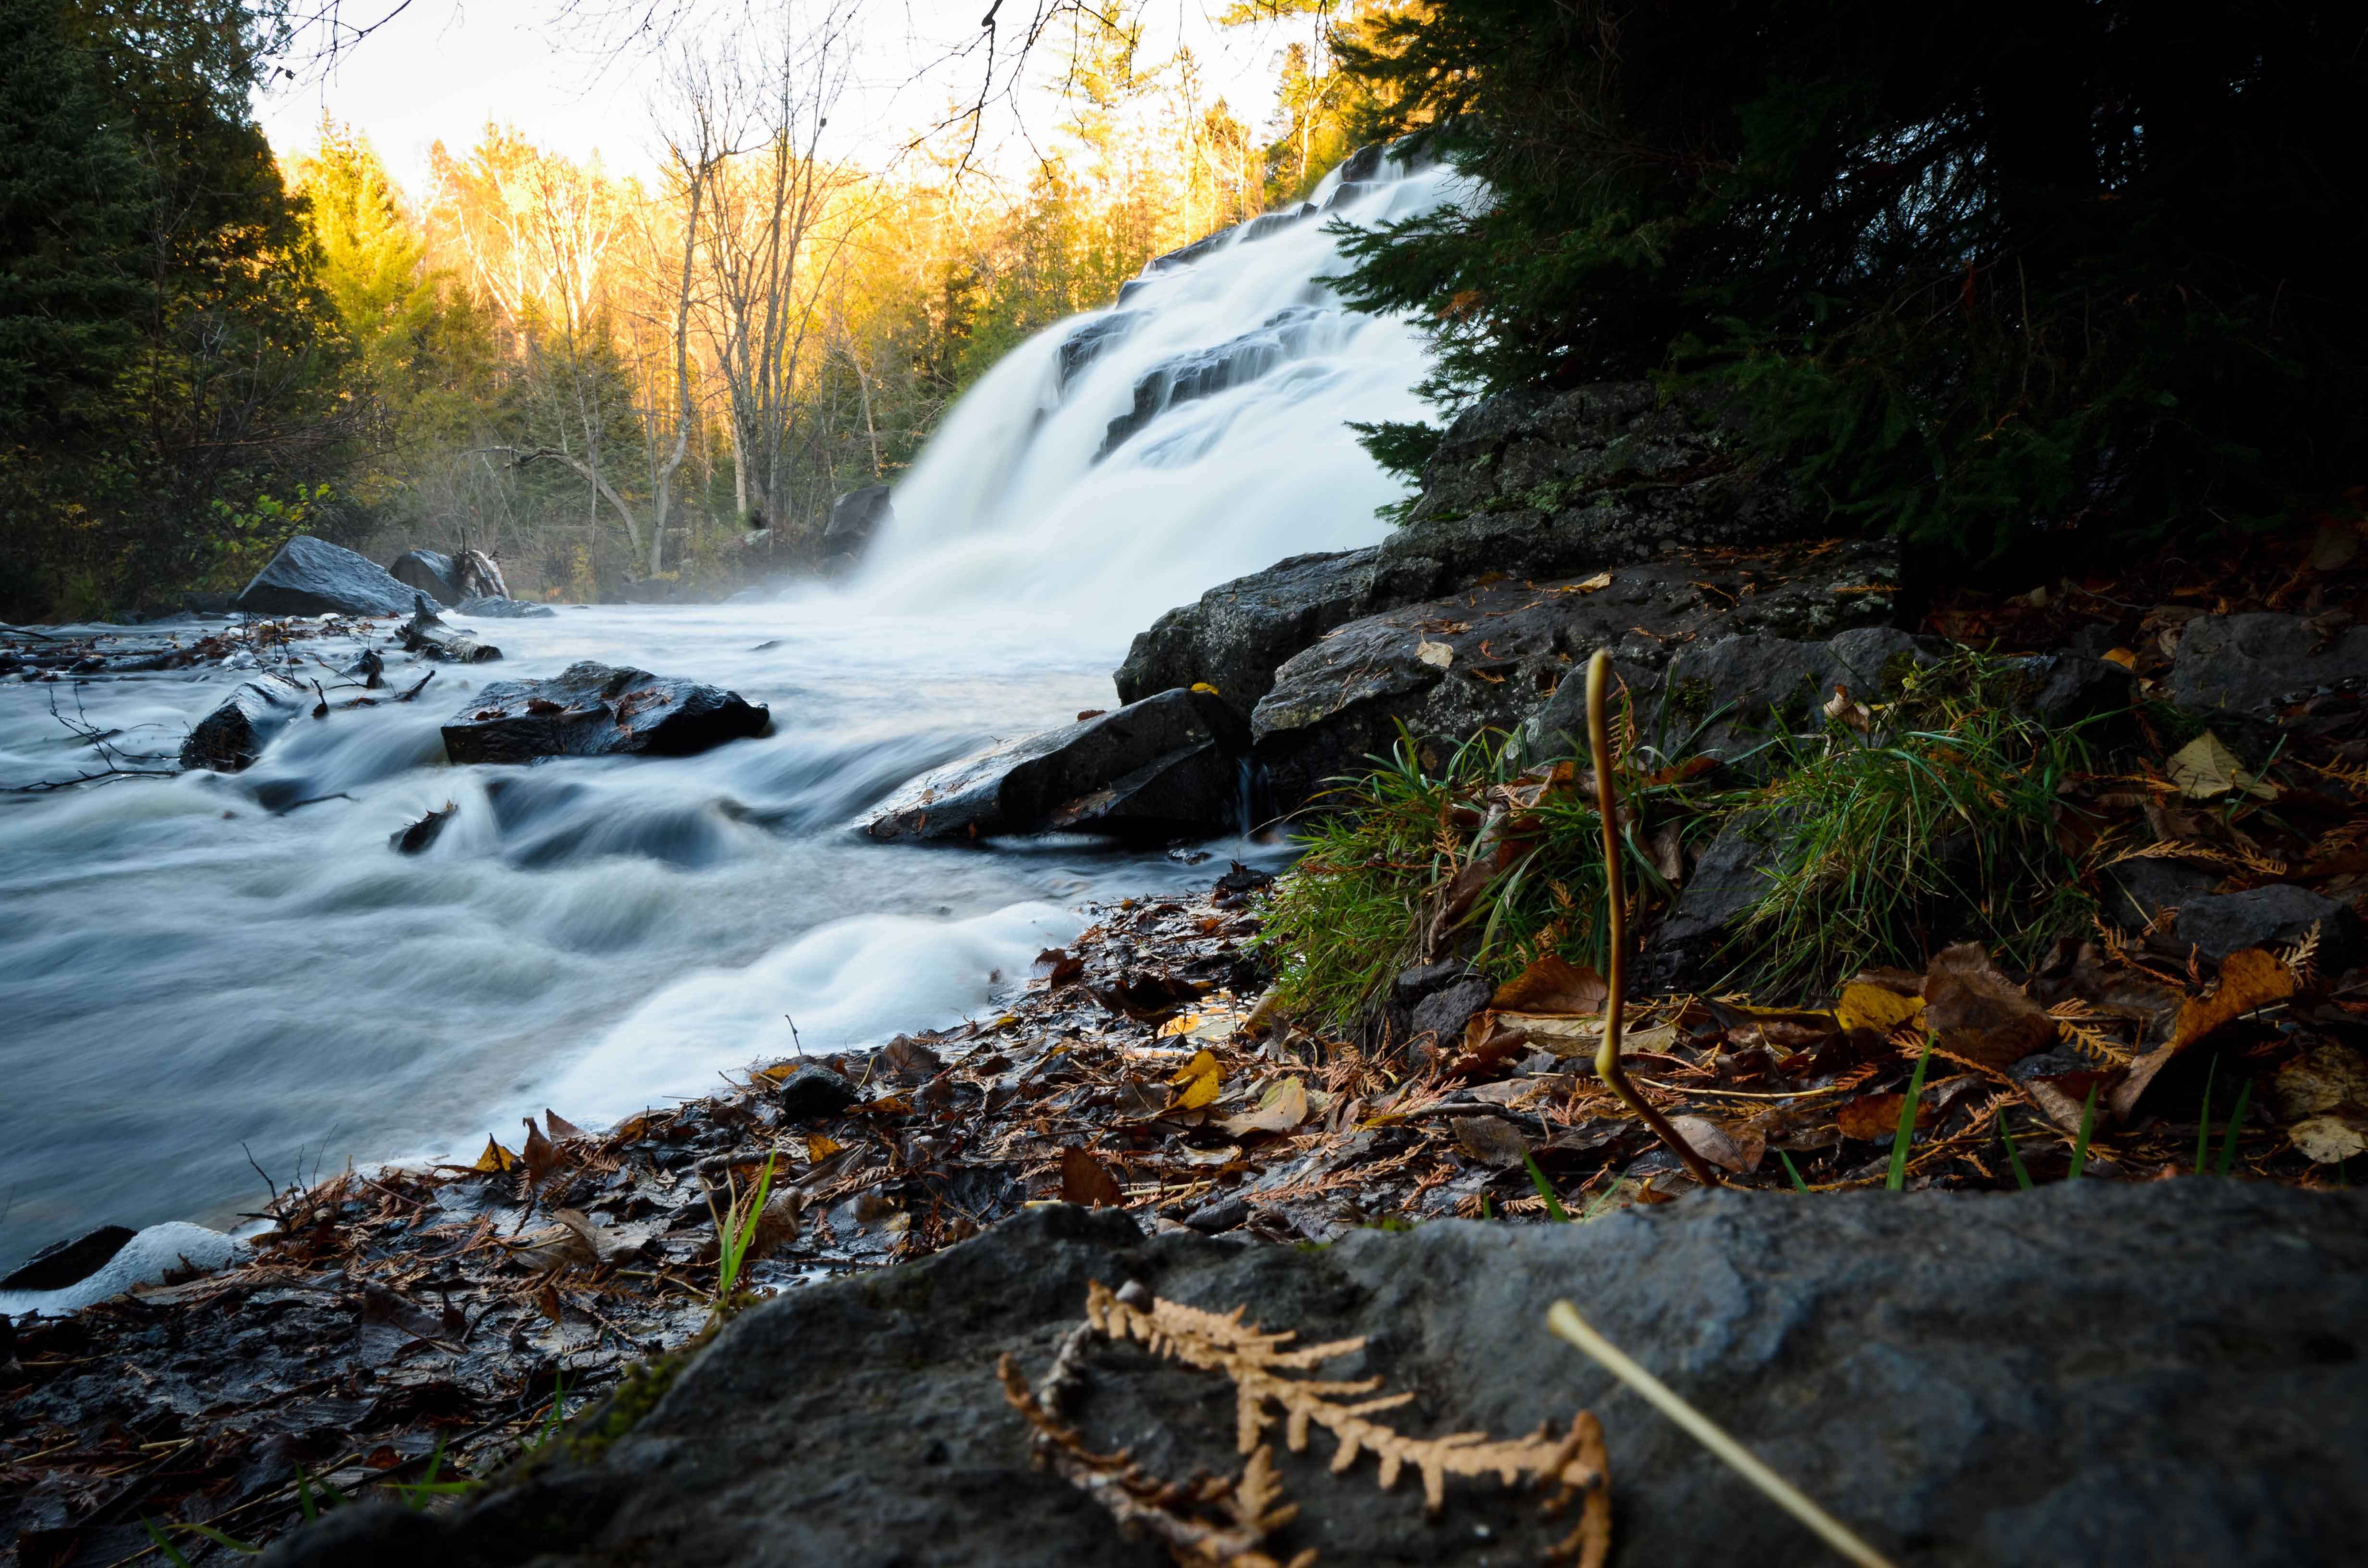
{"x": 442, "y": 69}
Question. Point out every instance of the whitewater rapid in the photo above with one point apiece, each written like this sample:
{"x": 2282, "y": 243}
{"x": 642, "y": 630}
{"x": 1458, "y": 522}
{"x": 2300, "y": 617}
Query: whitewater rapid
{"x": 191, "y": 972}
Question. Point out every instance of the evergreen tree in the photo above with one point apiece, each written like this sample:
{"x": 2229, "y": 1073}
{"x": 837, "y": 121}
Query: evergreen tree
{"x": 1986, "y": 273}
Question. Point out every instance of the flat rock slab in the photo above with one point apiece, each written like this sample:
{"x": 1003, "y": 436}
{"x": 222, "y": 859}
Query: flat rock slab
{"x": 1162, "y": 766}
{"x": 594, "y": 709}
{"x": 311, "y": 576}
{"x": 2102, "y": 1374}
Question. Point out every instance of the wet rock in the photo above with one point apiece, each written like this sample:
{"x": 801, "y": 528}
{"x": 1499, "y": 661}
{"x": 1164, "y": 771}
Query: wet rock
{"x": 2220, "y": 923}
{"x": 62, "y": 1263}
{"x": 856, "y": 519}
{"x": 593, "y": 709}
{"x": 1734, "y": 873}
{"x": 1291, "y": 333}
{"x": 2072, "y": 687}
{"x": 495, "y": 607}
{"x": 311, "y": 577}
{"x": 1413, "y": 984}
{"x": 1530, "y": 485}
{"x": 2251, "y": 666}
{"x": 1218, "y": 1214}
{"x": 1096, "y": 338}
{"x": 1867, "y": 1339}
{"x": 229, "y": 739}
{"x": 2139, "y": 890}
{"x": 1509, "y": 656}
{"x": 1165, "y": 765}
{"x": 428, "y": 572}
{"x": 815, "y": 1091}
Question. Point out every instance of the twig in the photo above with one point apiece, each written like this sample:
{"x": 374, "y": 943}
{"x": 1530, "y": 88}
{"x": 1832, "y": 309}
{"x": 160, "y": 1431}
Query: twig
{"x": 1564, "y": 1320}
{"x": 1615, "y": 884}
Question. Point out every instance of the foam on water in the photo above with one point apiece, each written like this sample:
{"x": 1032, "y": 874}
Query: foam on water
{"x": 191, "y": 964}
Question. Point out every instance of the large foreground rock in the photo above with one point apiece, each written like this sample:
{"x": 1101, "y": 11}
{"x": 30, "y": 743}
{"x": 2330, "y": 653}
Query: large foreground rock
{"x": 1531, "y": 485}
{"x": 593, "y": 709}
{"x": 1167, "y": 765}
{"x": 1510, "y": 655}
{"x": 311, "y": 577}
{"x": 229, "y": 739}
{"x": 2097, "y": 1374}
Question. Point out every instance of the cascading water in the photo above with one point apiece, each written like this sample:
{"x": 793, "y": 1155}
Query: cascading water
{"x": 190, "y": 968}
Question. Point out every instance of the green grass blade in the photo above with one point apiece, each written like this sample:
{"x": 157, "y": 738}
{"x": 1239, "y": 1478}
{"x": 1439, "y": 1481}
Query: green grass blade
{"x": 2014, "y": 1156}
{"x": 1609, "y": 1194}
{"x": 1793, "y": 1171}
{"x": 171, "y": 1555}
{"x": 2236, "y": 1123}
{"x": 2203, "y": 1122}
{"x": 1898, "y": 1179}
{"x": 245, "y": 1549}
{"x": 1555, "y": 1210}
{"x": 2087, "y": 1126}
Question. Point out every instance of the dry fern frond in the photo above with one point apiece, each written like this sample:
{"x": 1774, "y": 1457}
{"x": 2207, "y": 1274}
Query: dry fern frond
{"x": 1255, "y": 1360}
{"x": 2077, "y": 1021}
{"x": 1248, "y": 1508}
{"x": 2302, "y": 956}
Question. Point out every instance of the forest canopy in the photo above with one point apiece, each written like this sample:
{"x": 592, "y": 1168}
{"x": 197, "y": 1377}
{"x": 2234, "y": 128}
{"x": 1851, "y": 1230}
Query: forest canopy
{"x": 1987, "y": 273}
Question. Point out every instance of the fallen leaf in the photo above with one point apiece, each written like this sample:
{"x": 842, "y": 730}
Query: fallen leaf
{"x": 1842, "y": 709}
{"x": 1056, "y": 968}
{"x": 1437, "y": 654}
{"x": 1866, "y": 1005}
{"x": 2326, "y": 1077}
{"x": 561, "y": 1128}
{"x": 1979, "y": 1013}
{"x": 1084, "y": 1181}
{"x": 2327, "y": 1140}
{"x": 1552, "y": 985}
{"x": 495, "y": 1159}
{"x": 1600, "y": 580}
{"x": 820, "y": 1147}
{"x": 1280, "y": 1109}
{"x": 1874, "y": 1118}
{"x": 2124, "y": 657}
{"x": 1206, "y": 690}
{"x": 1566, "y": 1036}
{"x": 1740, "y": 1153}
{"x": 1198, "y": 1080}
{"x": 2205, "y": 768}
{"x": 1225, "y": 1155}
{"x": 540, "y": 1155}
{"x": 2250, "y": 978}
{"x": 1491, "y": 1139}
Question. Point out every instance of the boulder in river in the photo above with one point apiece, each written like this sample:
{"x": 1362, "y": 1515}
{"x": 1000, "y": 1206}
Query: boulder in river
{"x": 1963, "y": 1378}
{"x": 594, "y": 709}
{"x": 229, "y": 739}
{"x": 494, "y": 606}
{"x": 427, "y": 571}
{"x": 1165, "y": 765}
{"x": 311, "y": 576}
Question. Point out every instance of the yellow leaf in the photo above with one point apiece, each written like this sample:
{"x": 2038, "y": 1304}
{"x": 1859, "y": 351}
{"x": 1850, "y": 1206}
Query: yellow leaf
{"x": 495, "y": 1159}
{"x": 1203, "y": 1066}
{"x": 1202, "y": 686}
{"x": 2205, "y": 768}
{"x": 1198, "y": 1093}
{"x": 1866, "y": 1005}
{"x": 820, "y": 1148}
{"x": 1600, "y": 580}
{"x": 1198, "y": 1080}
{"x": 2121, "y": 656}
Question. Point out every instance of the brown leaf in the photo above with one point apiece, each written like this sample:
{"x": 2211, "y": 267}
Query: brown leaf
{"x": 1874, "y": 1118}
{"x": 2326, "y": 1077}
{"x": 561, "y": 1128}
{"x": 1491, "y": 1139}
{"x": 1978, "y": 1013}
{"x": 1056, "y": 967}
{"x": 1736, "y": 1150}
{"x": 1085, "y": 1181}
{"x": 1552, "y": 985}
{"x": 540, "y": 1154}
{"x": 2328, "y": 1140}
{"x": 2250, "y": 978}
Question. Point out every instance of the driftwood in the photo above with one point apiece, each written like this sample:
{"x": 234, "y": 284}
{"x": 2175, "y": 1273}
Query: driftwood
{"x": 427, "y": 635}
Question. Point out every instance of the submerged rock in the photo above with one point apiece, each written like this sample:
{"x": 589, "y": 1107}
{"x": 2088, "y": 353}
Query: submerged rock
{"x": 1165, "y": 765}
{"x": 1963, "y": 1378}
{"x": 496, "y": 608}
{"x": 229, "y": 739}
{"x": 311, "y": 577}
{"x": 593, "y": 709}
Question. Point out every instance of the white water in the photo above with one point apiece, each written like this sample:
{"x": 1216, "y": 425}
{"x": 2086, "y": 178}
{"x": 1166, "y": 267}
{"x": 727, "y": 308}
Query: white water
{"x": 184, "y": 971}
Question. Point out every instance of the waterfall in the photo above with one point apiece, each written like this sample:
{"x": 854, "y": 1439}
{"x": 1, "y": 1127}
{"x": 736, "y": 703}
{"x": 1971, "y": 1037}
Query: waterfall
{"x": 1126, "y": 460}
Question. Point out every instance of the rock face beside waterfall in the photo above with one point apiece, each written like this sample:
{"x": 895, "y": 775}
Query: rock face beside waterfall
{"x": 1169, "y": 763}
{"x": 1494, "y": 657}
{"x": 592, "y": 710}
{"x": 1530, "y": 485}
{"x": 2137, "y": 1374}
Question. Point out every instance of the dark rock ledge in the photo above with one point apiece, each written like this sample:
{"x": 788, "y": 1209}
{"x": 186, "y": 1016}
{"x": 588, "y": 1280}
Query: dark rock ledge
{"x": 2103, "y": 1374}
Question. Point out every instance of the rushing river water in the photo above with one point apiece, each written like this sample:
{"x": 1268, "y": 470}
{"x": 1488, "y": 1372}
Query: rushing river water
{"x": 191, "y": 971}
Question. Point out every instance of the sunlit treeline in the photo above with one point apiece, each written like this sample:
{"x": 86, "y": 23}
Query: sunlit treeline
{"x": 637, "y": 384}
